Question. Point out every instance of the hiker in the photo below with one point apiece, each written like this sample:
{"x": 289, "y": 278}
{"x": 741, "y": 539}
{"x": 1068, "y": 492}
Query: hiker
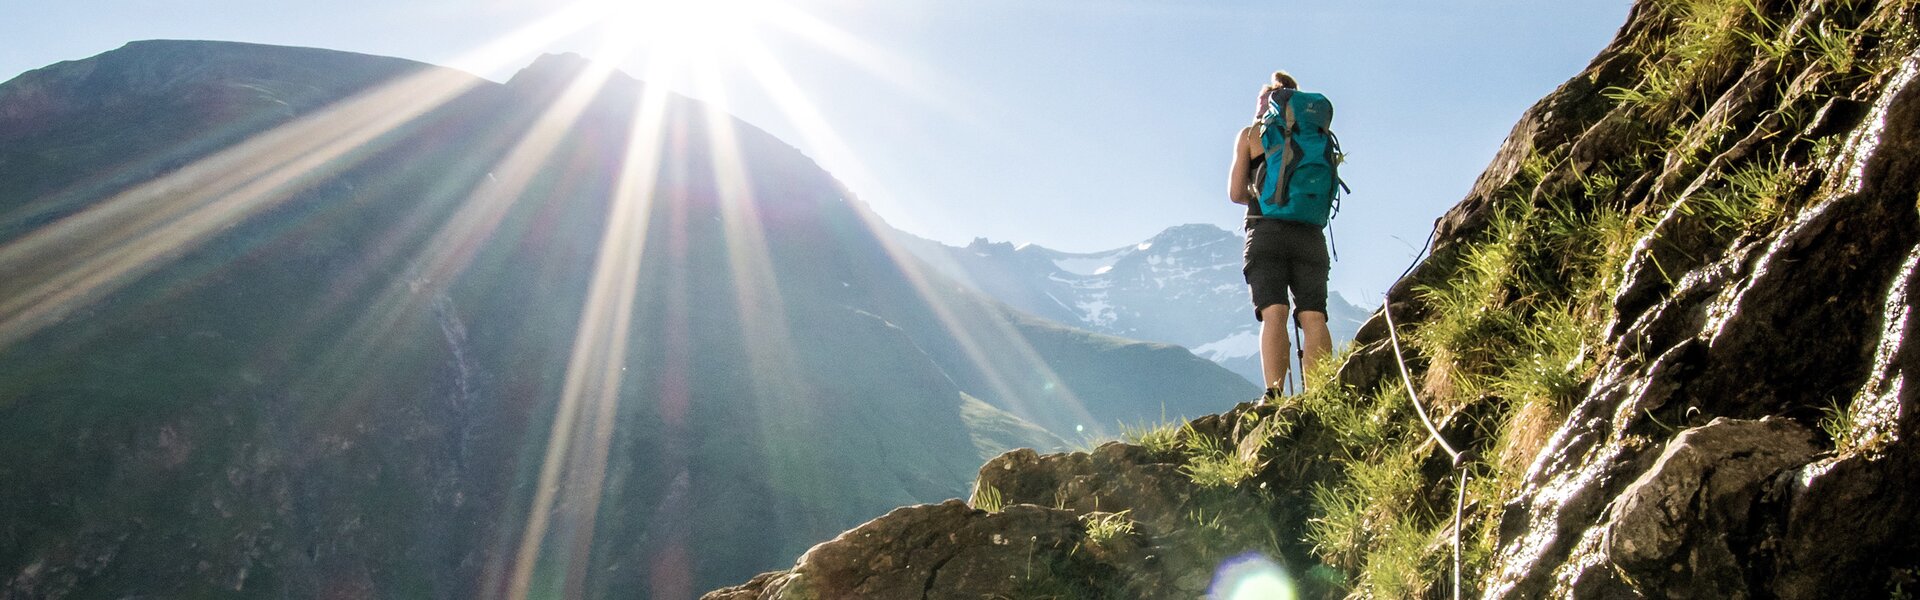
{"x": 1287, "y": 205}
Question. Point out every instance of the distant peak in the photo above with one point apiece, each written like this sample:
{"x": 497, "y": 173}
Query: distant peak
{"x": 550, "y": 69}
{"x": 567, "y": 60}
{"x": 984, "y": 244}
{"x": 1192, "y": 230}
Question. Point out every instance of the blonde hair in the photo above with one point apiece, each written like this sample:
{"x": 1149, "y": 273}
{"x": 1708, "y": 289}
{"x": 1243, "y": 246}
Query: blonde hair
{"x": 1281, "y": 80}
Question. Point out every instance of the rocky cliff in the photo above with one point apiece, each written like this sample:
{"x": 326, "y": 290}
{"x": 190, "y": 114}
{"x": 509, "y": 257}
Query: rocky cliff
{"x": 1667, "y": 343}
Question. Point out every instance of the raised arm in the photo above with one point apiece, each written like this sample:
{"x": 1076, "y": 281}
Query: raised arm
{"x": 1244, "y": 150}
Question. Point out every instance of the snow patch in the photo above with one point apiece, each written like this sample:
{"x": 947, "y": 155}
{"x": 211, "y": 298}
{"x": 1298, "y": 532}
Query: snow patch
{"x": 1241, "y": 344}
{"x": 1087, "y": 265}
{"x": 1097, "y": 311}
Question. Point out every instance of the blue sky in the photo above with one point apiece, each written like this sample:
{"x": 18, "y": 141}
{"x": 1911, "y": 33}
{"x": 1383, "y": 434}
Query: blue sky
{"x": 1080, "y": 125}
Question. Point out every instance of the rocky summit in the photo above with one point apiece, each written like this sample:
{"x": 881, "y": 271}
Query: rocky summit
{"x": 1665, "y": 348}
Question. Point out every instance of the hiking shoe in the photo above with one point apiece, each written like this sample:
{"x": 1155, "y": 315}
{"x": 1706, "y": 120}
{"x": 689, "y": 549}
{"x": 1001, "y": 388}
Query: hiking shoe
{"x": 1273, "y": 395}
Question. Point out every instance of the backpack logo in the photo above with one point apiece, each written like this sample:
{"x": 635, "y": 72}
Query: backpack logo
{"x": 1300, "y": 178}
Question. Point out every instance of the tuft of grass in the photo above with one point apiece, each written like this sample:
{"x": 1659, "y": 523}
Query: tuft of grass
{"x": 1551, "y": 362}
{"x": 1403, "y": 566}
{"x": 1832, "y": 45}
{"x": 1374, "y": 499}
{"x": 1105, "y": 527}
{"x": 1753, "y": 195}
{"x": 1217, "y": 534}
{"x": 1765, "y": 34}
{"x": 987, "y": 498}
{"x": 1838, "y": 422}
{"x": 1702, "y": 40}
{"x": 1213, "y": 463}
{"x": 1471, "y": 311}
{"x": 1161, "y": 439}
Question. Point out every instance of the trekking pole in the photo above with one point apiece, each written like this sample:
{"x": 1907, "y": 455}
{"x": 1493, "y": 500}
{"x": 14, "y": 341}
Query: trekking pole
{"x": 1300, "y": 355}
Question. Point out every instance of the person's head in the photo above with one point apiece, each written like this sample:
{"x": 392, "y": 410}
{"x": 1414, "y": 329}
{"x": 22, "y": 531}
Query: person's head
{"x": 1281, "y": 80}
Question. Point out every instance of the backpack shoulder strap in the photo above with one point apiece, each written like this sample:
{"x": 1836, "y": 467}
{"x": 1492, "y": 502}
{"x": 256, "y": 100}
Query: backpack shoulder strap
{"x": 1279, "y": 114}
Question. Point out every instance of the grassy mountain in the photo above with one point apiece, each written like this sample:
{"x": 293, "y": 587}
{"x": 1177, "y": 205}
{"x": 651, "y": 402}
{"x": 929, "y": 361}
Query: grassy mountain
{"x": 284, "y": 321}
{"x": 1666, "y": 345}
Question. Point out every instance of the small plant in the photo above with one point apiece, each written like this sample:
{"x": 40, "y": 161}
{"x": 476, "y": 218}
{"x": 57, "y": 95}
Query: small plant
{"x": 987, "y": 498}
{"x": 1825, "y": 149}
{"x": 1105, "y": 527}
{"x": 1838, "y": 424}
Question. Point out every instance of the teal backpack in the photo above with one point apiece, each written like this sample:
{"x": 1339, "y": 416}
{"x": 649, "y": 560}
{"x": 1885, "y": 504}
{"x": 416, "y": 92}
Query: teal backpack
{"x": 1300, "y": 178}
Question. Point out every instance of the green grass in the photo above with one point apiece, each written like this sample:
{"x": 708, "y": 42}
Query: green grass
{"x": 1850, "y": 435}
{"x": 1373, "y": 501}
{"x": 1515, "y": 318}
{"x": 1701, "y": 40}
{"x": 1765, "y": 36}
{"x": 987, "y": 498}
{"x": 1160, "y": 439}
{"x": 1212, "y": 462}
{"x": 1832, "y": 45}
{"x": 1105, "y": 527}
{"x": 1837, "y": 422}
{"x": 1550, "y": 362}
{"x": 1751, "y": 197}
{"x": 1219, "y": 533}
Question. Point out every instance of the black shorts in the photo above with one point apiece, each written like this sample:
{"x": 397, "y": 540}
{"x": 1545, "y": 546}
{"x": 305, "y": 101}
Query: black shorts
{"x": 1283, "y": 255}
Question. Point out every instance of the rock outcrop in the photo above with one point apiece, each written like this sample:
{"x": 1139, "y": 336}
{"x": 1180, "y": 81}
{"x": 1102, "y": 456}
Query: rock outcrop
{"x": 1119, "y": 521}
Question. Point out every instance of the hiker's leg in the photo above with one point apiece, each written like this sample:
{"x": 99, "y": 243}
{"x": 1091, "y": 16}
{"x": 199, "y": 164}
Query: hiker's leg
{"x": 1274, "y": 348}
{"x": 1317, "y": 343}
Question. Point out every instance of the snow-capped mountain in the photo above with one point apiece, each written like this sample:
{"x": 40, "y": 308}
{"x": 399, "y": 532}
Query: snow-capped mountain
{"x": 1182, "y": 286}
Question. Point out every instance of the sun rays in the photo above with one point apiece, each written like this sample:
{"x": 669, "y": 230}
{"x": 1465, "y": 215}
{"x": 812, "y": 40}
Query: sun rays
{"x": 61, "y": 268}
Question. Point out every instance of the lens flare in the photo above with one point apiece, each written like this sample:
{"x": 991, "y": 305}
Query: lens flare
{"x": 1251, "y": 577}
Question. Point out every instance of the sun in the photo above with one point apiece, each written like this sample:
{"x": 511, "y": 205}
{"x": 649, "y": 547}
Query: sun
{"x": 682, "y": 30}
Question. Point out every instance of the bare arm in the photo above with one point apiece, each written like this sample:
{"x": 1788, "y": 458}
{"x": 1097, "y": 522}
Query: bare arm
{"x": 1243, "y": 154}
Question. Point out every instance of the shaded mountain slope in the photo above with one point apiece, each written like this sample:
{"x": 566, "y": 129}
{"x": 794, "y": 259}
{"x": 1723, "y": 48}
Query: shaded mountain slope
{"x": 330, "y": 321}
{"x": 1670, "y": 332}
